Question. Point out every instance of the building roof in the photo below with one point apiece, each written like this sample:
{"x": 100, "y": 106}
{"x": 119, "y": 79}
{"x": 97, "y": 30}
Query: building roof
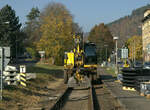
{"x": 146, "y": 9}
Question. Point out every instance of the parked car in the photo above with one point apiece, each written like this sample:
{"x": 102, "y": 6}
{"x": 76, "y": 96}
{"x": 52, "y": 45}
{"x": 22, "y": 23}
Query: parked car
{"x": 146, "y": 65}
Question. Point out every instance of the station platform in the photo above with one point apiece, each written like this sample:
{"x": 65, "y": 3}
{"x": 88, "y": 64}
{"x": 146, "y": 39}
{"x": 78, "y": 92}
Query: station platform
{"x": 129, "y": 100}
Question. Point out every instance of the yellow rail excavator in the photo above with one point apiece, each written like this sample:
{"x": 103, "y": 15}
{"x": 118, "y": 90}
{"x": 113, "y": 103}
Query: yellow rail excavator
{"x": 80, "y": 64}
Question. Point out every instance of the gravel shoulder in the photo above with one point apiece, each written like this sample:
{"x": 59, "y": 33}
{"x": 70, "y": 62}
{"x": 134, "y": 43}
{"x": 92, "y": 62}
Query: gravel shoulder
{"x": 39, "y": 93}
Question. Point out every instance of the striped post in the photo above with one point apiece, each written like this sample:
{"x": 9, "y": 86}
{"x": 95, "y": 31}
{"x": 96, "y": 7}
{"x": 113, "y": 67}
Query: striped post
{"x": 23, "y": 79}
{"x": 23, "y": 75}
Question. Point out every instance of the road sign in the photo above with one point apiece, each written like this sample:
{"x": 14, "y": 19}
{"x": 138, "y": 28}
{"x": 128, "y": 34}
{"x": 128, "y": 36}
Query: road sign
{"x": 6, "y": 51}
{"x": 22, "y": 69}
{"x": 42, "y": 53}
{"x": 4, "y": 56}
{"x": 124, "y": 53}
{"x": 6, "y": 61}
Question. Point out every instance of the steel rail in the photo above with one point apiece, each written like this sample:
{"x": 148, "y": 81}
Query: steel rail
{"x": 93, "y": 101}
{"x": 61, "y": 100}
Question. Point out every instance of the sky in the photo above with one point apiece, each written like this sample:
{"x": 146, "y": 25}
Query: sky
{"x": 86, "y": 13}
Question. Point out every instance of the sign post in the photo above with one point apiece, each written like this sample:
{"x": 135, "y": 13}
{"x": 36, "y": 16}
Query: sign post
{"x": 23, "y": 75}
{"x": 1, "y": 54}
{"x": 124, "y": 53}
{"x": 42, "y": 54}
{"x": 4, "y": 60}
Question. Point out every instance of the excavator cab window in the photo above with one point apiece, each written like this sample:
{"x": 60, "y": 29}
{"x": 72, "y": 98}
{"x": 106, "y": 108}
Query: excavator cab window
{"x": 90, "y": 53}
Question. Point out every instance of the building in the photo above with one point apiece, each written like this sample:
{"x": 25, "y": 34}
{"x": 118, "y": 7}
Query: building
{"x": 146, "y": 35}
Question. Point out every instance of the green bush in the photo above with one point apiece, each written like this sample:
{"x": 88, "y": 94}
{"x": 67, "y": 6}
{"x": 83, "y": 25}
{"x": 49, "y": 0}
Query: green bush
{"x": 33, "y": 53}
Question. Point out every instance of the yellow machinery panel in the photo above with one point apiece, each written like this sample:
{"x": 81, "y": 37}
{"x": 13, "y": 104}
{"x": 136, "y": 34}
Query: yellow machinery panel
{"x": 69, "y": 60}
{"x": 90, "y": 66}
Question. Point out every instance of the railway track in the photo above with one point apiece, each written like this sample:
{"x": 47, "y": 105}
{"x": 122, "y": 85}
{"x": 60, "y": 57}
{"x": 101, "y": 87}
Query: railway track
{"x": 93, "y": 101}
{"x": 77, "y": 99}
{"x": 61, "y": 100}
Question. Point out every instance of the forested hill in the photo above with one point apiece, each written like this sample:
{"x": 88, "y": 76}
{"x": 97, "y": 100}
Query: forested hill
{"x": 128, "y": 26}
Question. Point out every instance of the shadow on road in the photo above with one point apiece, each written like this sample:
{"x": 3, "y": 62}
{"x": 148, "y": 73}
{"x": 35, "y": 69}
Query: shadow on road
{"x": 107, "y": 77}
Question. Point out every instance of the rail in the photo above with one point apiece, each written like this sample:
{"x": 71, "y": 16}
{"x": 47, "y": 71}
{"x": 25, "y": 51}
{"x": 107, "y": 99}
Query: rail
{"x": 61, "y": 100}
{"x": 93, "y": 101}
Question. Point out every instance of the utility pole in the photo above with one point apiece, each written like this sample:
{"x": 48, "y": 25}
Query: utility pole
{"x": 16, "y": 50}
{"x": 2, "y": 64}
{"x": 106, "y": 52}
{"x": 116, "y": 69}
{"x": 134, "y": 52}
{"x": 2, "y": 67}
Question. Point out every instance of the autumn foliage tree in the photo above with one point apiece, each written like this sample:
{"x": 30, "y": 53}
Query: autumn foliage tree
{"x": 101, "y": 36}
{"x": 57, "y": 27}
{"x": 134, "y": 45}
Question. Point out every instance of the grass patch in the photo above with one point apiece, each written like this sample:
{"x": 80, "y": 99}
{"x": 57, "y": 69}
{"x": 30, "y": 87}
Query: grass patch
{"x": 15, "y": 97}
{"x": 110, "y": 70}
{"x": 45, "y": 69}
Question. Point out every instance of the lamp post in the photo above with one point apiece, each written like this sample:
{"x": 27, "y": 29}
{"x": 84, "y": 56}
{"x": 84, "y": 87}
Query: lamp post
{"x": 106, "y": 51}
{"x": 116, "y": 68}
{"x": 2, "y": 66}
{"x": 16, "y": 49}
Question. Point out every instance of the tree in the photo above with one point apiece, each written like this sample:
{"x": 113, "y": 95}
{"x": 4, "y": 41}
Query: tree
{"x": 32, "y": 28}
{"x": 101, "y": 36}
{"x": 134, "y": 45}
{"x": 57, "y": 29}
{"x": 10, "y": 29}
{"x": 76, "y": 28}
{"x": 33, "y": 14}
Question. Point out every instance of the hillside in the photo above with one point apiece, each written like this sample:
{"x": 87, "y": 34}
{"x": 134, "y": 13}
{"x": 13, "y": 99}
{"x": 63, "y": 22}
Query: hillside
{"x": 128, "y": 26}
